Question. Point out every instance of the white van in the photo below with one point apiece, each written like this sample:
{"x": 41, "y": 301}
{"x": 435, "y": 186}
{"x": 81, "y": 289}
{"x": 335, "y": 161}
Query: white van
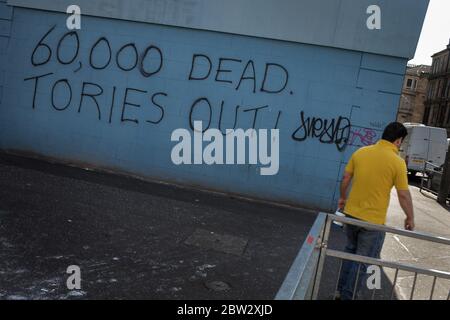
{"x": 423, "y": 144}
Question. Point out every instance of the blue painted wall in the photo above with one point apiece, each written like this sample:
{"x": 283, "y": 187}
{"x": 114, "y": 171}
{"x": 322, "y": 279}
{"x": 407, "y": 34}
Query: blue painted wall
{"x": 324, "y": 83}
{"x": 6, "y": 13}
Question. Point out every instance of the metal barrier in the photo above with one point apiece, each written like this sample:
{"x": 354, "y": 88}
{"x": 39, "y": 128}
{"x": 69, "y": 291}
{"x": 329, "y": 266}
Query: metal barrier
{"x": 300, "y": 278}
{"x": 431, "y": 178}
{"x": 304, "y": 277}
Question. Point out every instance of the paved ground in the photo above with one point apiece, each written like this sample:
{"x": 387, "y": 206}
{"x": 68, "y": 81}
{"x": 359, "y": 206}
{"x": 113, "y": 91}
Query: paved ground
{"x": 140, "y": 240}
{"x": 135, "y": 239}
{"x": 430, "y": 218}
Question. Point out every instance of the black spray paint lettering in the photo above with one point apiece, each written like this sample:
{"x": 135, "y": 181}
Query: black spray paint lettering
{"x": 89, "y": 97}
{"x": 197, "y": 103}
{"x": 127, "y": 58}
{"x": 40, "y": 46}
{"x": 71, "y": 34}
{"x": 255, "y": 114}
{"x": 100, "y": 41}
{"x": 92, "y": 96}
{"x": 335, "y": 131}
{"x": 147, "y": 53}
{"x": 230, "y": 71}
{"x": 36, "y": 83}
{"x": 127, "y": 103}
{"x": 274, "y": 80}
{"x": 274, "y": 66}
{"x": 135, "y": 53}
{"x": 221, "y": 68}
{"x": 159, "y": 106}
{"x": 204, "y": 103}
{"x": 43, "y": 53}
{"x": 250, "y": 66}
{"x": 111, "y": 108}
{"x": 67, "y": 84}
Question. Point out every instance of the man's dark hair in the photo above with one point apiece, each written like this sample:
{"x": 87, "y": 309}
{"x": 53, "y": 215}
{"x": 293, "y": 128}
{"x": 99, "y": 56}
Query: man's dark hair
{"x": 394, "y": 131}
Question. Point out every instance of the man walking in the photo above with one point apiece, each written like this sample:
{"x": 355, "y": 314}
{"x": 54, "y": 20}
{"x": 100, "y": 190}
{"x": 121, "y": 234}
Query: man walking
{"x": 373, "y": 171}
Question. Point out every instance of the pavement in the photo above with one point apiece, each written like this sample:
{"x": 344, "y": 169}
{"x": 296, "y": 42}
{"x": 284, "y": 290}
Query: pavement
{"x": 431, "y": 218}
{"x": 135, "y": 239}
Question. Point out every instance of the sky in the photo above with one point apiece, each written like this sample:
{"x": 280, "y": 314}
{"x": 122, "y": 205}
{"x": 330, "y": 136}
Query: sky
{"x": 435, "y": 34}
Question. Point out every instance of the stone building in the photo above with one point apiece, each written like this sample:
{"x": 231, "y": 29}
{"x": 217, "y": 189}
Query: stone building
{"x": 437, "y": 111}
{"x": 412, "y": 101}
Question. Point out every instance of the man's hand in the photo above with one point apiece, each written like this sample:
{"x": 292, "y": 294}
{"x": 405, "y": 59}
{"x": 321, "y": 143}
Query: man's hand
{"x": 341, "y": 204}
{"x": 346, "y": 179}
{"x": 409, "y": 224}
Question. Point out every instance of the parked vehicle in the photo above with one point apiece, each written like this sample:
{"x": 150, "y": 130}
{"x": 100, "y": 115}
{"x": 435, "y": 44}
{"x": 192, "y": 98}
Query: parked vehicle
{"x": 423, "y": 144}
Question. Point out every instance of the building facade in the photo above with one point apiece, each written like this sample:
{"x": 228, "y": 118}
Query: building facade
{"x": 111, "y": 94}
{"x": 414, "y": 92}
{"x": 437, "y": 105}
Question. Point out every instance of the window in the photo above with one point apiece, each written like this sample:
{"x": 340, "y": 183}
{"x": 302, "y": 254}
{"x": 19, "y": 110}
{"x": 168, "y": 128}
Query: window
{"x": 435, "y": 113}
{"x": 426, "y": 115}
{"x": 431, "y": 91}
{"x": 435, "y": 63}
{"x": 409, "y": 83}
{"x": 431, "y": 116}
{"x": 443, "y": 90}
{"x": 442, "y": 111}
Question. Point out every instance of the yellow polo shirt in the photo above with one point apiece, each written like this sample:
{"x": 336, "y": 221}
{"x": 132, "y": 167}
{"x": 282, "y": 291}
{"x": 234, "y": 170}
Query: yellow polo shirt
{"x": 375, "y": 169}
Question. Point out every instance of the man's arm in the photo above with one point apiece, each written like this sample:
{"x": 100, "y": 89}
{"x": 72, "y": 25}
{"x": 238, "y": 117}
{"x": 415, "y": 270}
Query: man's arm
{"x": 344, "y": 187}
{"x": 405, "y": 199}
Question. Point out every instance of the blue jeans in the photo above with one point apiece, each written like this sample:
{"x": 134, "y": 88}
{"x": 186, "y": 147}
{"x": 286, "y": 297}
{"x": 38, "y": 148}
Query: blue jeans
{"x": 362, "y": 242}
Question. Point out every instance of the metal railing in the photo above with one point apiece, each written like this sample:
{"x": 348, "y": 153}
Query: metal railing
{"x": 299, "y": 281}
{"x": 304, "y": 277}
{"x": 431, "y": 178}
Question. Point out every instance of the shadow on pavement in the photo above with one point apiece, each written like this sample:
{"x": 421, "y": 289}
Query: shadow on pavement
{"x": 137, "y": 240}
